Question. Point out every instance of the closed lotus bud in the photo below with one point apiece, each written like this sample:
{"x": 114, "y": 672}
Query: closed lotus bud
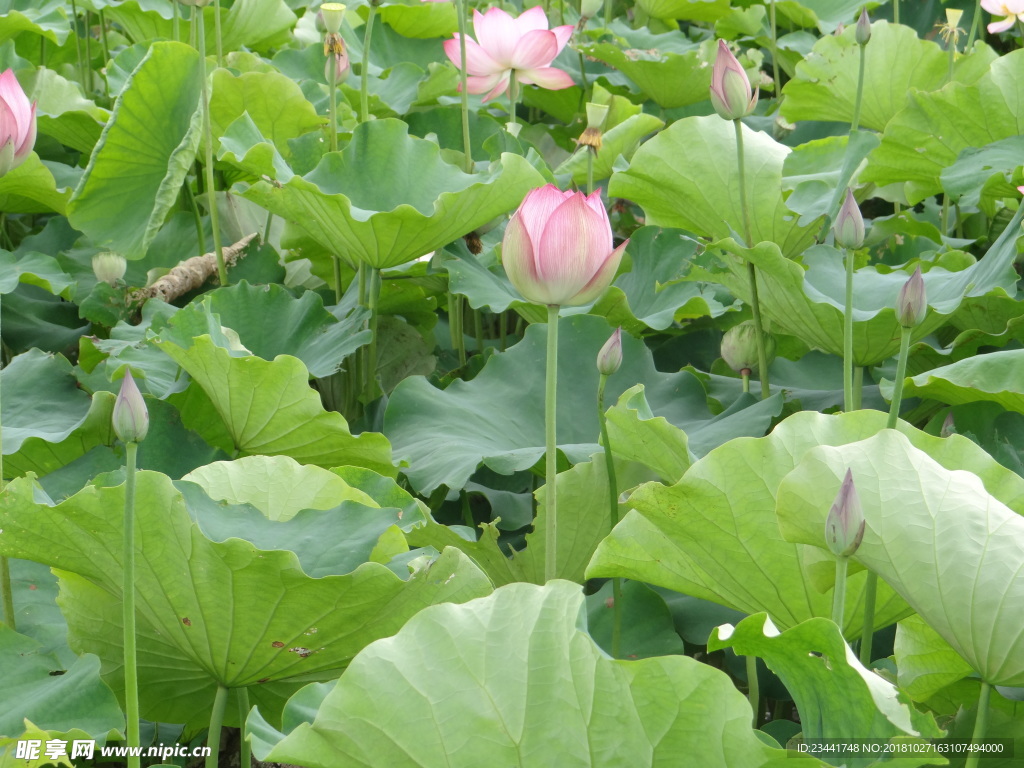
{"x": 844, "y": 527}
{"x": 332, "y": 14}
{"x": 730, "y": 86}
{"x": 948, "y": 426}
{"x": 739, "y": 347}
{"x": 863, "y": 33}
{"x": 131, "y": 419}
{"x": 912, "y": 304}
{"x": 109, "y": 267}
{"x": 840, "y": 28}
{"x": 610, "y": 357}
{"x": 342, "y": 68}
{"x": 849, "y": 226}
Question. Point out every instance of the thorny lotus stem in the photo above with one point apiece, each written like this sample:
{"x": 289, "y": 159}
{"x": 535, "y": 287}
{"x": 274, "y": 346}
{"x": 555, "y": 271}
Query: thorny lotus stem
{"x": 551, "y": 447}
{"x": 980, "y": 724}
{"x": 211, "y": 194}
{"x": 848, "y": 335}
{"x": 839, "y": 594}
{"x": 775, "y": 50}
{"x": 901, "y": 372}
{"x": 855, "y": 123}
{"x": 754, "y": 689}
{"x": 216, "y": 32}
{"x": 755, "y": 304}
{"x": 867, "y": 632}
{"x": 364, "y": 95}
{"x": 974, "y": 26}
{"x": 216, "y": 721}
{"x": 244, "y": 748}
{"x": 467, "y": 145}
{"x": 613, "y": 516}
{"x": 131, "y": 680}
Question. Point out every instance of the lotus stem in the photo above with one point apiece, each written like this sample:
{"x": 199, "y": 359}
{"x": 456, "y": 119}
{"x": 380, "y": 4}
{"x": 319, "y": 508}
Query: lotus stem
{"x": 775, "y": 51}
{"x": 266, "y": 227}
{"x": 131, "y": 680}
{"x": 332, "y": 84}
{"x": 455, "y": 324}
{"x": 502, "y": 330}
{"x": 467, "y": 144}
{"x": 216, "y": 721}
{"x": 371, "y": 363}
{"x": 6, "y": 593}
{"x": 855, "y": 123}
{"x": 364, "y": 94}
{"x": 78, "y": 43}
{"x": 200, "y": 234}
{"x": 244, "y": 748}
{"x": 216, "y": 32}
{"x": 901, "y": 372}
{"x": 88, "y": 53}
{"x": 858, "y": 386}
{"x": 513, "y": 95}
{"x": 867, "y": 632}
{"x": 755, "y": 304}
{"x": 613, "y": 515}
{"x": 551, "y": 447}
{"x": 839, "y": 594}
{"x": 895, "y": 11}
{"x": 607, "y": 12}
{"x": 753, "y": 689}
{"x": 590, "y": 171}
{"x": 974, "y": 25}
{"x": 106, "y": 51}
{"x": 211, "y": 196}
{"x": 176, "y": 24}
{"x": 848, "y": 334}
{"x": 980, "y": 724}
{"x": 745, "y": 374}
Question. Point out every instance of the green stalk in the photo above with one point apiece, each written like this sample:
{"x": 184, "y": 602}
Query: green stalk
{"x": 467, "y": 146}
{"x": 6, "y": 592}
{"x": 590, "y": 171}
{"x": 502, "y": 330}
{"x": 755, "y": 304}
{"x": 901, "y": 372}
{"x": 244, "y": 748}
{"x": 754, "y": 689}
{"x": 867, "y": 633}
{"x": 839, "y": 594}
{"x": 42, "y": 51}
{"x": 200, "y": 234}
{"x": 88, "y": 51}
{"x": 177, "y": 22}
{"x": 222, "y": 272}
{"x": 333, "y": 138}
{"x": 78, "y": 45}
{"x": 848, "y": 335}
{"x": 216, "y": 32}
{"x": 974, "y": 25}
{"x": 858, "y": 386}
{"x": 106, "y": 45}
{"x": 855, "y": 123}
{"x": 951, "y": 50}
{"x": 745, "y": 373}
{"x": 131, "y": 680}
{"x": 266, "y": 227}
{"x": 583, "y": 76}
{"x": 513, "y": 95}
{"x": 775, "y": 50}
{"x": 551, "y": 446}
{"x": 895, "y": 11}
{"x": 455, "y": 321}
{"x": 216, "y": 721}
{"x": 371, "y": 365}
{"x": 980, "y": 724}
{"x": 478, "y": 330}
{"x": 613, "y": 510}
{"x": 607, "y": 12}
{"x": 364, "y": 95}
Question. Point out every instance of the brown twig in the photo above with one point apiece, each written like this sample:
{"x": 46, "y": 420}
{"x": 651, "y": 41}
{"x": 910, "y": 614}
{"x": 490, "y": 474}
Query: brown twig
{"x": 189, "y": 275}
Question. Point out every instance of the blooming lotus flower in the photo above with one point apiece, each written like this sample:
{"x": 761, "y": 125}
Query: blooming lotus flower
{"x": 131, "y": 418}
{"x": 558, "y": 247}
{"x": 730, "y": 86}
{"x": 17, "y": 123}
{"x": 504, "y": 45}
{"x": 1013, "y": 10}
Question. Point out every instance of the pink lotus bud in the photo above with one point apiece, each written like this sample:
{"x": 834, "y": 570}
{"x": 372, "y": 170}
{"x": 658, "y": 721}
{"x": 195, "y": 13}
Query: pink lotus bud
{"x": 840, "y": 28}
{"x": 849, "y": 226}
{"x": 131, "y": 419}
{"x": 342, "y": 67}
{"x": 610, "y": 357}
{"x": 912, "y": 304}
{"x": 948, "y": 426}
{"x": 558, "y": 247}
{"x": 844, "y": 527}
{"x": 730, "y": 86}
{"x": 332, "y": 14}
{"x": 17, "y": 123}
{"x": 863, "y": 33}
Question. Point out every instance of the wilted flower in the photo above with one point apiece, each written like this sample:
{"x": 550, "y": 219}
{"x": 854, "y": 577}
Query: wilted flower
{"x": 849, "y": 226}
{"x": 109, "y": 267}
{"x": 863, "y": 31}
{"x": 131, "y": 419}
{"x": 1013, "y": 10}
{"x": 730, "y": 86}
{"x": 558, "y": 247}
{"x": 504, "y": 44}
{"x": 610, "y": 357}
{"x": 342, "y": 67}
{"x": 17, "y": 123}
{"x": 948, "y": 426}
{"x": 912, "y": 304}
{"x": 844, "y": 527}
{"x": 739, "y": 347}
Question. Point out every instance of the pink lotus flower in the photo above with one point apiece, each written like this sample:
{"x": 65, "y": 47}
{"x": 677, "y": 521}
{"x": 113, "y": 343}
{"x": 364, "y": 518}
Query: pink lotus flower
{"x": 17, "y": 123}
{"x": 730, "y": 86}
{"x": 558, "y": 247}
{"x": 503, "y": 44}
{"x": 1011, "y": 9}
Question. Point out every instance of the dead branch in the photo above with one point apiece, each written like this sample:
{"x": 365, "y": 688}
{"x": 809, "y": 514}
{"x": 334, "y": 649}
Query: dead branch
{"x": 189, "y": 275}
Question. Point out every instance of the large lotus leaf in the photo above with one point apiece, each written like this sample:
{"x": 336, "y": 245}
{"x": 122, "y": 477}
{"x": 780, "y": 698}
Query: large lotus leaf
{"x": 268, "y": 407}
{"x": 563, "y": 702}
{"x": 896, "y": 62}
{"x": 270, "y": 321}
{"x": 386, "y": 199}
{"x": 807, "y": 300}
{"x": 995, "y": 377}
{"x": 928, "y": 136}
{"x": 240, "y": 613}
{"x": 63, "y": 113}
{"x": 638, "y": 435}
{"x": 497, "y": 419}
{"x": 37, "y": 687}
{"x": 714, "y": 534}
{"x": 936, "y": 535}
{"x": 689, "y": 10}
{"x": 924, "y": 661}
{"x": 837, "y": 696}
{"x": 32, "y": 188}
{"x": 147, "y": 148}
{"x": 620, "y": 141}
{"x": 959, "y": 704}
{"x": 33, "y": 268}
{"x": 412, "y": 18}
{"x": 819, "y": 172}
{"x": 48, "y": 19}
{"x": 981, "y": 173}
{"x": 686, "y": 177}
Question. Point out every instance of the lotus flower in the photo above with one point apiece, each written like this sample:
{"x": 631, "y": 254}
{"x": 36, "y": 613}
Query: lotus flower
{"x": 504, "y": 45}
{"x": 17, "y": 123}
{"x": 558, "y": 247}
{"x": 912, "y": 303}
{"x": 130, "y": 418}
{"x": 1013, "y": 10}
{"x": 609, "y": 358}
{"x": 849, "y": 225}
{"x": 730, "y": 86}
{"x": 844, "y": 527}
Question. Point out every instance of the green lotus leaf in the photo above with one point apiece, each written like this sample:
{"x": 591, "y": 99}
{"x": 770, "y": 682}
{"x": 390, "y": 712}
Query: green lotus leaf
{"x": 239, "y": 613}
{"x": 386, "y": 199}
{"x": 33, "y": 188}
{"x": 147, "y": 148}
{"x": 497, "y": 419}
{"x": 647, "y": 628}
{"x": 819, "y": 173}
{"x": 981, "y": 173}
{"x": 619, "y": 141}
{"x": 267, "y": 407}
{"x": 686, "y": 175}
{"x": 689, "y": 10}
{"x": 938, "y": 536}
{"x": 930, "y": 133}
{"x": 837, "y": 696}
{"x": 672, "y": 78}
{"x": 47, "y": 18}
{"x": 33, "y": 268}
{"x": 638, "y": 435}
{"x": 959, "y": 704}
{"x": 896, "y": 63}
{"x": 608, "y": 712}
{"x": 62, "y": 112}
{"x": 926, "y": 663}
{"x": 416, "y": 19}
{"x": 994, "y": 377}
